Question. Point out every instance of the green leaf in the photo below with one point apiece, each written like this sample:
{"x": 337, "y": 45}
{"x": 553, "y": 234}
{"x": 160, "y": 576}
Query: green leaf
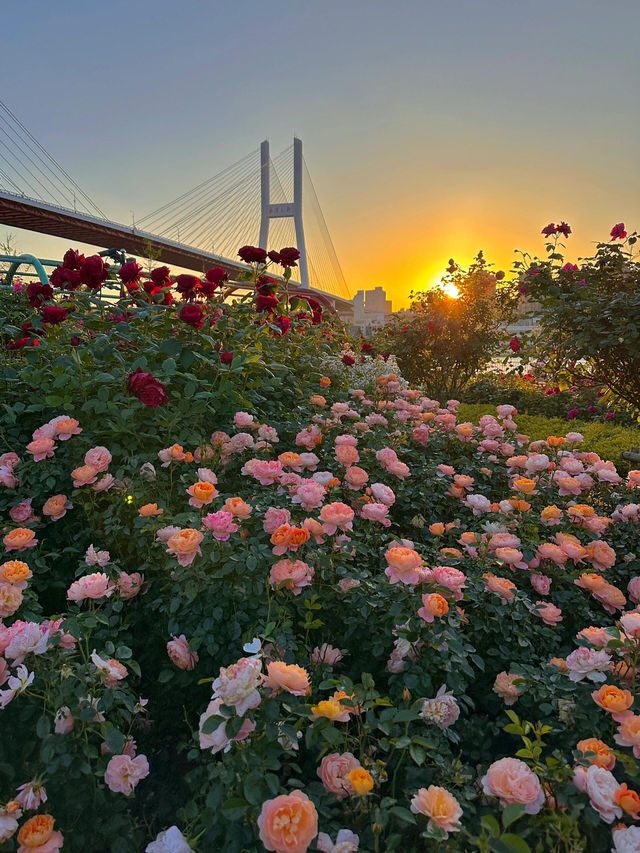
{"x": 513, "y": 844}
{"x": 511, "y": 813}
{"x": 492, "y": 826}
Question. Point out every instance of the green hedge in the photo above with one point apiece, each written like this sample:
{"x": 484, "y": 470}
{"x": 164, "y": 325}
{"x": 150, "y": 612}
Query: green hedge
{"x": 608, "y": 440}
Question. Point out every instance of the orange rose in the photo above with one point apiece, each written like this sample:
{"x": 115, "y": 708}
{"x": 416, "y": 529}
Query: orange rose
{"x": 556, "y": 441}
{"x": 290, "y": 677}
{"x": 288, "y": 823}
{"x": 14, "y": 571}
{"x": 36, "y": 831}
{"x": 149, "y": 510}
{"x": 84, "y": 475}
{"x": 614, "y": 700}
{"x": 203, "y": 491}
{"x": 437, "y": 528}
{"x": 361, "y": 781}
{"x": 628, "y": 800}
{"x": 237, "y": 507}
{"x": 298, "y": 536}
{"x": 20, "y": 539}
{"x": 560, "y": 664}
{"x": 500, "y": 586}
{"x": 525, "y": 485}
{"x": 290, "y": 459}
{"x": 325, "y": 382}
{"x": 602, "y": 755}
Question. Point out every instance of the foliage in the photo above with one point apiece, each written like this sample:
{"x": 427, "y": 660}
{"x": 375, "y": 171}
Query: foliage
{"x": 378, "y": 564}
{"x": 590, "y": 314}
{"x": 449, "y": 340}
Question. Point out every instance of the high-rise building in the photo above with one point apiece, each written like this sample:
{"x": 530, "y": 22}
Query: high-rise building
{"x": 371, "y": 310}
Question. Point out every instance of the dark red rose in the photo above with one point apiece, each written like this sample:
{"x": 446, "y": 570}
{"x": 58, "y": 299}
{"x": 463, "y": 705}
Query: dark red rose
{"x": 53, "y": 314}
{"x": 385, "y": 355}
{"x": 94, "y": 272}
{"x": 549, "y": 229}
{"x": 348, "y": 360}
{"x": 75, "y": 341}
{"x": 138, "y": 379}
{"x": 72, "y": 260}
{"x": 499, "y": 275}
{"x": 130, "y": 272}
{"x": 146, "y": 388}
{"x": 217, "y": 275}
{"x": 27, "y": 328}
{"x": 226, "y": 357}
{"x": 514, "y": 343}
{"x": 564, "y": 229}
{"x": 289, "y": 256}
{"x": 192, "y": 314}
{"x": 266, "y": 303}
{"x": 208, "y": 288}
{"x": 367, "y": 348}
{"x": 19, "y": 343}
{"x": 153, "y": 394}
{"x": 38, "y": 293}
{"x": 252, "y": 254}
{"x": 618, "y": 232}
{"x": 149, "y": 286}
{"x": 65, "y": 278}
{"x": 187, "y": 285}
{"x": 274, "y": 256}
{"x": 430, "y": 326}
{"x": 161, "y": 276}
{"x": 283, "y": 323}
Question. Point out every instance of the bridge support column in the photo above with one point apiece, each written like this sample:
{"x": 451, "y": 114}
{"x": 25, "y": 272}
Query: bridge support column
{"x": 287, "y": 210}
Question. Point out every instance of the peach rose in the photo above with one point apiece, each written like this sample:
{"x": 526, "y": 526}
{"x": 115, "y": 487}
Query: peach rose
{"x": 500, "y": 586}
{"x": 437, "y": 528}
{"x": 433, "y": 604}
{"x": 614, "y": 700}
{"x": 238, "y": 508}
{"x": 84, "y": 476}
{"x": 506, "y": 688}
{"x": 512, "y": 781}
{"x": 98, "y": 458}
{"x": 356, "y": 478}
{"x": 325, "y": 382}
{"x": 440, "y": 806}
{"x": 202, "y": 493}
{"x": 290, "y": 677}
{"x": 38, "y": 835}
{"x": 610, "y": 597}
{"x": 292, "y": 575}
{"x": 20, "y": 539}
{"x": 66, "y": 427}
{"x": 56, "y": 507}
{"x": 288, "y": 823}
{"x": 334, "y": 772}
{"x": 336, "y": 515}
{"x": 180, "y": 654}
{"x": 96, "y": 585}
{"x": 601, "y": 755}
{"x": 129, "y": 585}
{"x": 548, "y": 612}
{"x": 403, "y": 565}
{"x": 15, "y": 572}
{"x": 123, "y": 773}
{"x": 629, "y": 734}
{"x": 10, "y": 599}
{"x": 149, "y": 510}
{"x": 185, "y": 544}
{"x": 41, "y": 448}
{"x": 331, "y": 709}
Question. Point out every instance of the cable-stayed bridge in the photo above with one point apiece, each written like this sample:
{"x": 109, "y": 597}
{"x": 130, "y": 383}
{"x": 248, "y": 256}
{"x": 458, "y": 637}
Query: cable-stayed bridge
{"x": 259, "y": 200}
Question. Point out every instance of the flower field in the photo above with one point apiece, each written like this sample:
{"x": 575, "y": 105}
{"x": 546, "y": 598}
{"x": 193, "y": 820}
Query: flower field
{"x": 258, "y": 594}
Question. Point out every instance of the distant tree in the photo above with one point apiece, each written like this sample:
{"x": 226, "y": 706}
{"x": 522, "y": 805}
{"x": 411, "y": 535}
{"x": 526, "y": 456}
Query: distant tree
{"x": 7, "y": 247}
{"x": 457, "y": 328}
{"x": 589, "y": 324}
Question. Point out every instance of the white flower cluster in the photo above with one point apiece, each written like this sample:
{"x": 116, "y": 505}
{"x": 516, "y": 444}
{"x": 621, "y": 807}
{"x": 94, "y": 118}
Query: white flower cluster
{"x": 363, "y": 374}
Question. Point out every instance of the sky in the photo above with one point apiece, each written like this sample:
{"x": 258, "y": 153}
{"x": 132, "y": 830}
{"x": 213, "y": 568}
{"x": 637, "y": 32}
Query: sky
{"x": 431, "y": 129}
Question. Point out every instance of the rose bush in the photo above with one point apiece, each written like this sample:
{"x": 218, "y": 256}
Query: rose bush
{"x": 251, "y": 605}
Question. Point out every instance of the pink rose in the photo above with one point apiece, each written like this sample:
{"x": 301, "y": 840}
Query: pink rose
{"x": 221, "y": 524}
{"x": 123, "y": 773}
{"x": 513, "y": 782}
{"x": 98, "y": 458}
{"x": 336, "y": 516}
{"x": 129, "y": 585}
{"x": 180, "y": 654}
{"x": 96, "y": 585}
{"x": 334, "y": 772}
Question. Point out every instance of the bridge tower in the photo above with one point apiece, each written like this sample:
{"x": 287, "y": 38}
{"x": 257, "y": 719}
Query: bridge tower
{"x": 289, "y": 210}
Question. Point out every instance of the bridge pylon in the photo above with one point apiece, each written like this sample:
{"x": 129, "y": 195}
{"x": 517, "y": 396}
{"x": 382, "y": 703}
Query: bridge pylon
{"x": 283, "y": 210}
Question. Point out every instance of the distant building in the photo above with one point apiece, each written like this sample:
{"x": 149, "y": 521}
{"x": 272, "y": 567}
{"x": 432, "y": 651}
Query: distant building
{"x": 371, "y": 310}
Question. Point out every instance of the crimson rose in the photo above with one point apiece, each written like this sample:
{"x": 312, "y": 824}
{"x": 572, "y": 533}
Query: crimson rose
{"x": 53, "y": 314}
{"x": 252, "y": 254}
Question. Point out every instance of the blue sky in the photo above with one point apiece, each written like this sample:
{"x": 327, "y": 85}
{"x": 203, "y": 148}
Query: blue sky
{"x": 430, "y": 128}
